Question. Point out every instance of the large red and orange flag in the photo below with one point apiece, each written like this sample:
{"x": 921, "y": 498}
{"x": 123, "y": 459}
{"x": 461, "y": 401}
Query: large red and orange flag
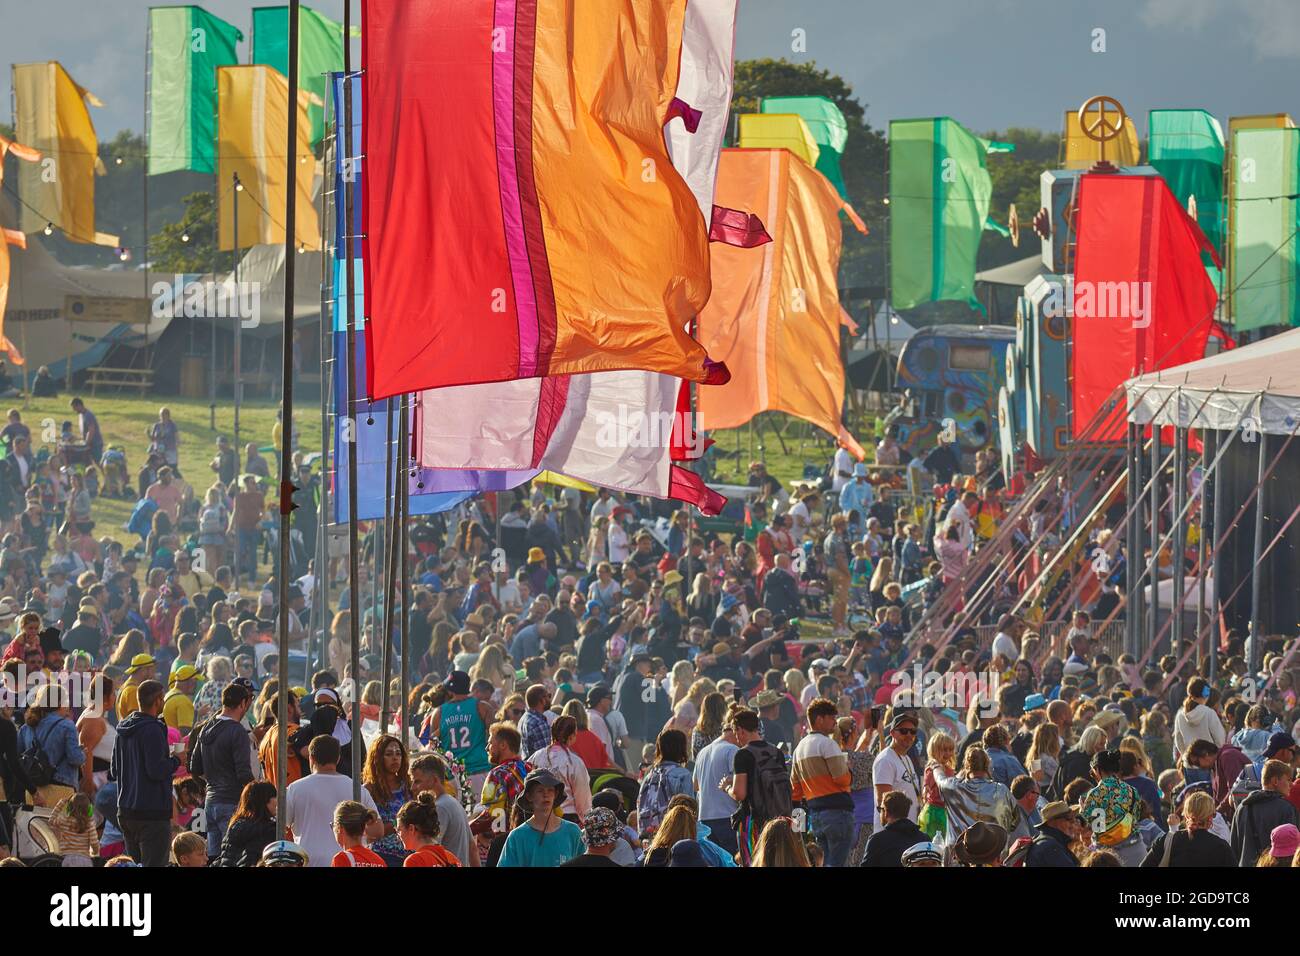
{"x": 774, "y": 317}
{"x": 523, "y": 217}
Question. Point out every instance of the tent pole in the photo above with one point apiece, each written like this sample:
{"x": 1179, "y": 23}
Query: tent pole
{"x": 1216, "y": 567}
{"x": 1153, "y": 576}
{"x": 394, "y": 465}
{"x": 1200, "y": 526}
{"x": 1254, "y": 643}
{"x": 1180, "y": 534}
{"x": 1131, "y": 535}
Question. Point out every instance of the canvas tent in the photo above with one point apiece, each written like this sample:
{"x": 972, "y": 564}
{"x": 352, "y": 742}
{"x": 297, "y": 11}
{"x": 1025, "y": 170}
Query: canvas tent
{"x": 1259, "y": 381}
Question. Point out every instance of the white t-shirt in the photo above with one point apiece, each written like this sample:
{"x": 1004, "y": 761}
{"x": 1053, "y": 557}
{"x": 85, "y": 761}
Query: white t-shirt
{"x": 898, "y": 773}
{"x": 799, "y": 521}
{"x": 1004, "y": 644}
{"x": 843, "y": 462}
{"x": 618, "y": 546}
{"x": 309, "y": 812}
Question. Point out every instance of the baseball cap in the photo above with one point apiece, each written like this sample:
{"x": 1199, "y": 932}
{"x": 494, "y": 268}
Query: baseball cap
{"x": 1279, "y": 741}
{"x": 458, "y": 682}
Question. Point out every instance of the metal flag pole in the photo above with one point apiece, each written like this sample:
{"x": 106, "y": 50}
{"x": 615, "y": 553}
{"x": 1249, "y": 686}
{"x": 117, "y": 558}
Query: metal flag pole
{"x": 286, "y": 425}
{"x": 237, "y": 385}
{"x": 349, "y": 194}
{"x": 405, "y": 521}
{"x": 392, "y": 467}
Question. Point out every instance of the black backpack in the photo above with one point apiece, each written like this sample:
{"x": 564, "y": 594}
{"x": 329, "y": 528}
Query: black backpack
{"x": 36, "y": 763}
{"x": 769, "y": 793}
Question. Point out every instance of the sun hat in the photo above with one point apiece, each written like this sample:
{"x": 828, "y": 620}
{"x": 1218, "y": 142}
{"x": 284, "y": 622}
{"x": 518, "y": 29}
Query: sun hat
{"x": 139, "y": 661}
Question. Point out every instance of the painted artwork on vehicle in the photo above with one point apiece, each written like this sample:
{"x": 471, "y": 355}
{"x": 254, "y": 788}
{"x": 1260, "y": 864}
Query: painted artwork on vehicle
{"x": 954, "y": 373}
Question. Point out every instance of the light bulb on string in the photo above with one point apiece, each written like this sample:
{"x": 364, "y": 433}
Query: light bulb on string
{"x": 49, "y": 228}
{"x": 885, "y": 201}
{"x": 185, "y": 237}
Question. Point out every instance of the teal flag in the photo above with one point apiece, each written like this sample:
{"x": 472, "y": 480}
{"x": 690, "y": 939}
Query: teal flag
{"x": 829, "y": 128}
{"x": 186, "y": 45}
{"x": 939, "y": 195}
{"x": 1186, "y": 147}
{"x": 320, "y": 52}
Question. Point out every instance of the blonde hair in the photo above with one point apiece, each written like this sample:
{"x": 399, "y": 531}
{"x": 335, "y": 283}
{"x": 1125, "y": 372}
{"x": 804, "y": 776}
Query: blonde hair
{"x": 574, "y": 708}
{"x": 794, "y": 681}
{"x": 1198, "y": 810}
{"x": 1047, "y": 740}
{"x": 940, "y": 745}
{"x": 678, "y": 824}
{"x": 491, "y": 666}
{"x": 779, "y": 845}
{"x": 680, "y": 678}
{"x": 1133, "y": 745}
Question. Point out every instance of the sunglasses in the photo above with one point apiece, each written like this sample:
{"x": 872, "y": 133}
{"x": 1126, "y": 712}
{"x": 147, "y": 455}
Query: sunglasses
{"x": 515, "y": 713}
{"x": 904, "y": 731}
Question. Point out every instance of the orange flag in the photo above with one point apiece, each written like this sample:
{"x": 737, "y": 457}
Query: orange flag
{"x": 774, "y": 316}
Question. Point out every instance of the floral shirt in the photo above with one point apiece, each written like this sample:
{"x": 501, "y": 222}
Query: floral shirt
{"x": 502, "y": 787}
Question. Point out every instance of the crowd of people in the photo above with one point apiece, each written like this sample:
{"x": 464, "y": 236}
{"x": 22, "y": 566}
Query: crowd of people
{"x": 598, "y": 681}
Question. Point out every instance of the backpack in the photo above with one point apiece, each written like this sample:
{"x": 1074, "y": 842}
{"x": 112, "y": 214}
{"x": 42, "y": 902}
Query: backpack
{"x": 36, "y": 763}
{"x": 210, "y": 522}
{"x": 652, "y": 802}
{"x": 1018, "y": 852}
{"x": 769, "y": 793}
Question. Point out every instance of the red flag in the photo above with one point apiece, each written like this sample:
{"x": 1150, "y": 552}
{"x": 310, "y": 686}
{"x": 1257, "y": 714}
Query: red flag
{"x": 1142, "y": 299}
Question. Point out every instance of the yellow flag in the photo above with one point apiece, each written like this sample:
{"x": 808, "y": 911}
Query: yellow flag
{"x": 53, "y": 118}
{"x": 779, "y": 131}
{"x": 1081, "y": 152}
{"x": 252, "y": 130}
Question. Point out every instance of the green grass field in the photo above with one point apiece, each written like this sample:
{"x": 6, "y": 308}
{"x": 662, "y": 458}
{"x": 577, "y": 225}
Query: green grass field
{"x": 125, "y": 421}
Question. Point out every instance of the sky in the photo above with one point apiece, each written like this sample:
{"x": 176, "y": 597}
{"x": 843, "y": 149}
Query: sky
{"x": 990, "y": 64}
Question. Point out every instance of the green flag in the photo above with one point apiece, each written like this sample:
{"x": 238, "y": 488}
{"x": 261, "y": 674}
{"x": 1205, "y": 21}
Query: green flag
{"x": 1266, "y": 171}
{"x": 186, "y": 45}
{"x": 1186, "y": 148}
{"x": 939, "y": 195}
{"x": 320, "y": 52}
{"x": 828, "y": 126}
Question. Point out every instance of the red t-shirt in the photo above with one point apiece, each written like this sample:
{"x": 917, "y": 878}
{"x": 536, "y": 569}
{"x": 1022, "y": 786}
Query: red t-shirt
{"x": 591, "y": 749}
{"x": 431, "y": 855}
{"x": 358, "y": 856}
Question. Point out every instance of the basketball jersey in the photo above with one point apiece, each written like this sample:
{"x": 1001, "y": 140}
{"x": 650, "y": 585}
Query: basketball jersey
{"x": 462, "y": 732}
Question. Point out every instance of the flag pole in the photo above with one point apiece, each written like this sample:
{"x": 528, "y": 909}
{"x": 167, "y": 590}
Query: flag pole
{"x": 349, "y": 194}
{"x": 286, "y": 424}
{"x": 404, "y": 493}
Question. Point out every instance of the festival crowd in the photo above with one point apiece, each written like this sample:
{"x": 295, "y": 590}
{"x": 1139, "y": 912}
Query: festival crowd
{"x": 600, "y": 681}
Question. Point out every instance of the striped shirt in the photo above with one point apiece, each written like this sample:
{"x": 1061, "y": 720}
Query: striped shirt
{"x": 820, "y": 774}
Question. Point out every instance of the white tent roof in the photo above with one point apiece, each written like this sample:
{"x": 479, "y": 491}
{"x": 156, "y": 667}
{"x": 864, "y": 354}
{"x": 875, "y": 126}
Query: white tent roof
{"x": 887, "y": 328}
{"x": 1017, "y": 273}
{"x": 1260, "y": 382}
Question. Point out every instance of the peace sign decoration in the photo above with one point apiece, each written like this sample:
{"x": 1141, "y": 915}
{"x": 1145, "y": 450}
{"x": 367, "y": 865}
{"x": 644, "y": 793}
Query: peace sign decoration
{"x": 1102, "y": 119}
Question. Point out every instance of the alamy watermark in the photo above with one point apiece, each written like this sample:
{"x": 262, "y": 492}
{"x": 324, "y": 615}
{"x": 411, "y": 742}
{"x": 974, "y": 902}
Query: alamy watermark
{"x": 207, "y": 299}
{"x": 1099, "y": 300}
{"x": 632, "y": 427}
{"x": 955, "y": 690}
{"x": 77, "y": 689}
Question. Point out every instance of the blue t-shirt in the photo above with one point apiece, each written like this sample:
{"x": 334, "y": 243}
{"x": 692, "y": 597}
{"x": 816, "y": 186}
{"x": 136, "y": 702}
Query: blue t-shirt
{"x": 712, "y": 764}
{"x": 528, "y": 846}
